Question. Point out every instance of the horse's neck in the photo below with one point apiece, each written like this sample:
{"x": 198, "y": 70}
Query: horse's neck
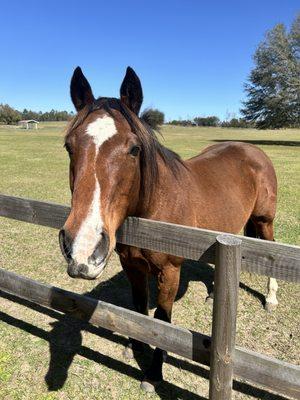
{"x": 169, "y": 189}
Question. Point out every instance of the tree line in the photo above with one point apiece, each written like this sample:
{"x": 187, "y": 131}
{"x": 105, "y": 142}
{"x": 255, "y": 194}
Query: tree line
{"x": 213, "y": 121}
{"x": 155, "y": 118}
{"x": 152, "y": 116}
{"x": 10, "y": 116}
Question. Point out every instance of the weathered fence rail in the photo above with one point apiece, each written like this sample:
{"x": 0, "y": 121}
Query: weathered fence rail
{"x": 266, "y": 371}
{"x": 273, "y": 259}
{"x": 267, "y": 258}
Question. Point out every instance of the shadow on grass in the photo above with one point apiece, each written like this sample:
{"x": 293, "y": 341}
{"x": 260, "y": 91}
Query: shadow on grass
{"x": 294, "y": 143}
{"x": 65, "y": 339}
{"x": 117, "y": 290}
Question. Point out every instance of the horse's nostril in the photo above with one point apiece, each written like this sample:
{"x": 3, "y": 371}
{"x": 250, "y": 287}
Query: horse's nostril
{"x": 102, "y": 248}
{"x": 82, "y": 269}
{"x": 65, "y": 243}
{"x": 96, "y": 254}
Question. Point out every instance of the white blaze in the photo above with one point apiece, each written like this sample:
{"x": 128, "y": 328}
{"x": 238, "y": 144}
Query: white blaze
{"x": 89, "y": 233}
{"x": 90, "y": 230}
{"x": 101, "y": 129}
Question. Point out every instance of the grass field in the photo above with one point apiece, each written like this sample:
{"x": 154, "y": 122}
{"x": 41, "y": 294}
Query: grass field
{"x": 45, "y": 355}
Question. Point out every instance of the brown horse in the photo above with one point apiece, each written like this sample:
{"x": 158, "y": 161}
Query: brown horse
{"x": 118, "y": 169}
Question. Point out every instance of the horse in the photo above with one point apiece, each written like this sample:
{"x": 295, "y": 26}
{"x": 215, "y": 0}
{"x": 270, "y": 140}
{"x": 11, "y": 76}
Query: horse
{"x": 119, "y": 168}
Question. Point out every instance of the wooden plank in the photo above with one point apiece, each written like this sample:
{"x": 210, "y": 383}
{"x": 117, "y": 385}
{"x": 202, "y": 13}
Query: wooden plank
{"x": 273, "y": 259}
{"x": 271, "y": 373}
{"x": 266, "y": 371}
{"x": 33, "y": 211}
{"x": 146, "y": 329}
{"x": 227, "y": 279}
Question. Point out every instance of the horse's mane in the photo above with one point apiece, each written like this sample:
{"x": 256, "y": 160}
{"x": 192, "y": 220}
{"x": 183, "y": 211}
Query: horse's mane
{"x": 152, "y": 149}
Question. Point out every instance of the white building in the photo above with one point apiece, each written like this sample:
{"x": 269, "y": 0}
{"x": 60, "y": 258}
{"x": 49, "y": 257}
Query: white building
{"x": 28, "y": 124}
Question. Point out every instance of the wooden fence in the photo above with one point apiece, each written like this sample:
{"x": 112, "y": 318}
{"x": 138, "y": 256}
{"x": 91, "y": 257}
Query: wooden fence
{"x": 229, "y": 253}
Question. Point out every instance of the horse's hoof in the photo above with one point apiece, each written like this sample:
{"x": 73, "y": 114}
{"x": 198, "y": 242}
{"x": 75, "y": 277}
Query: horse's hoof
{"x": 270, "y": 307}
{"x": 149, "y": 387}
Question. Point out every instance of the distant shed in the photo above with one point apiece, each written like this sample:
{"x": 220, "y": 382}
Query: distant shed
{"x": 28, "y": 124}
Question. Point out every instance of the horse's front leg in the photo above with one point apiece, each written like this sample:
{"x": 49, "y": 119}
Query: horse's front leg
{"x": 168, "y": 282}
{"x": 137, "y": 274}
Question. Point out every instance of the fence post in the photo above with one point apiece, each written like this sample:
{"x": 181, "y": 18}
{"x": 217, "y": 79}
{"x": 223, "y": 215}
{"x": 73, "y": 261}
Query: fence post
{"x": 227, "y": 276}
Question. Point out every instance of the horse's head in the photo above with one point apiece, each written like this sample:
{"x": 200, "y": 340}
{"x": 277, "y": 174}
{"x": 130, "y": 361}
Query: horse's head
{"x": 104, "y": 172}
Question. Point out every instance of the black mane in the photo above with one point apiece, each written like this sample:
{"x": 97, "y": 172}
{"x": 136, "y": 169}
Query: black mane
{"x": 151, "y": 147}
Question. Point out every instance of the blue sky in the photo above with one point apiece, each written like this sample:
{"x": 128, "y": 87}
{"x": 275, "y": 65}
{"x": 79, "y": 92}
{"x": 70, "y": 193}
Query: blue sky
{"x": 192, "y": 56}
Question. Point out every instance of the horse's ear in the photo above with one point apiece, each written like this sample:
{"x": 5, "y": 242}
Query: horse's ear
{"x": 131, "y": 92}
{"x": 81, "y": 92}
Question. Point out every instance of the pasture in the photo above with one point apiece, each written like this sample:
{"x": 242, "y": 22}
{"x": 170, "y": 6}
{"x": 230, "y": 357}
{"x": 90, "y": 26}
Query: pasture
{"x": 42, "y": 350}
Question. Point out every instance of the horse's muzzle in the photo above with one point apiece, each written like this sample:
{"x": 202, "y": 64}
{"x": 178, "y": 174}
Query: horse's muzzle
{"x": 85, "y": 271}
{"x": 94, "y": 265}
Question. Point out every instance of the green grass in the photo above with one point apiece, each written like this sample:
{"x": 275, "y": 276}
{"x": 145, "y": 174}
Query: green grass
{"x": 34, "y": 164}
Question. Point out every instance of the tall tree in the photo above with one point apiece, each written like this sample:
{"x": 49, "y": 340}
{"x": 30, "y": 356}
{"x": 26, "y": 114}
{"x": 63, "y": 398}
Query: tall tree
{"x": 153, "y": 117}
{"x": 273, "y": 97}
{"x": 9, "y": 115}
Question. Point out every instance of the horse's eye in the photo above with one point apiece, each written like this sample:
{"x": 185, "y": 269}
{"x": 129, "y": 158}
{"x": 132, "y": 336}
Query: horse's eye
{"x": 134, "y": 151}
{"x": 68, "y": 148}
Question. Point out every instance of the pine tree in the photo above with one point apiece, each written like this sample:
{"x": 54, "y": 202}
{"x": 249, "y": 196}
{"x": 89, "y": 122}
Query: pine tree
{"x": 273, "y": 96}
